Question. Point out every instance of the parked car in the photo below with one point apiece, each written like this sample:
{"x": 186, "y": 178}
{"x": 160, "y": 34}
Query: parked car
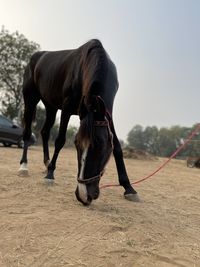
{"x": 11, "y": 133}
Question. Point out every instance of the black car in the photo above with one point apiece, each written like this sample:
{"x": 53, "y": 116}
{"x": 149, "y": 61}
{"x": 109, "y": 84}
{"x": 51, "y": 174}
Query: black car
{"x": 11, "y": 133}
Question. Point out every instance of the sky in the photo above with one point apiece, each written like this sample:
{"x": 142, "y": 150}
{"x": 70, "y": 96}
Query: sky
{"x": 155, "y": 45}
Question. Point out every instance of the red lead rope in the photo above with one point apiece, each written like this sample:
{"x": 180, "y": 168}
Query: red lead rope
{"x": 165, "y": 163}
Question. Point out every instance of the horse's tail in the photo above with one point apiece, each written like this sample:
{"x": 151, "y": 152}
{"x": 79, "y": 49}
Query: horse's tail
{"x": 29, "y": 86}
{"x": 29, "y": 73}
{"x": 34, "y": 61}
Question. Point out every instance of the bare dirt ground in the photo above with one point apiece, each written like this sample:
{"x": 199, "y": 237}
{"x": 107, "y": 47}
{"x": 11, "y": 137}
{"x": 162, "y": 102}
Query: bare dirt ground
{"x": 45, "y": 226}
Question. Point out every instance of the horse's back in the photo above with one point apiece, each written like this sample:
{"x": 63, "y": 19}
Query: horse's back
{"x": 58, "y": 75}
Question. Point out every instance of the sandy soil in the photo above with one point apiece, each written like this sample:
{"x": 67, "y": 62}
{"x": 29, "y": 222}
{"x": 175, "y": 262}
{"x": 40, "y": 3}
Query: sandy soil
{"x": 45, "y": 226}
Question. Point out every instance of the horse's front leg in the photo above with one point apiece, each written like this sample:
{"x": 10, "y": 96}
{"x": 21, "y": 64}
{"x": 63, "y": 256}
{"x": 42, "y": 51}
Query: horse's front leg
{"x": 130, "y": 193}
{"x": 59, "y": 143}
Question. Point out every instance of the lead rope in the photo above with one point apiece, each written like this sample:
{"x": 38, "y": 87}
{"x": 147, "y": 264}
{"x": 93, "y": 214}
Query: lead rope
{"x": 162, "y": 165}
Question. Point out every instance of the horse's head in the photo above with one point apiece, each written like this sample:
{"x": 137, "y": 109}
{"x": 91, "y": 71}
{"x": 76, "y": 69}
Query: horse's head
{"x": 94, "y": 144}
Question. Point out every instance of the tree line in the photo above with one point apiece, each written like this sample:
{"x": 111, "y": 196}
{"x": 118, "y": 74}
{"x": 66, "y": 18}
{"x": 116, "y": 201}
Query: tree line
{"x": 15, "y": 52}
{"x": 164, "y": 142}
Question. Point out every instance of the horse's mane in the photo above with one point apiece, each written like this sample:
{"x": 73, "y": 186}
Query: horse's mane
{"x": 94, "y": 68}
{"x": 95, "y": 64}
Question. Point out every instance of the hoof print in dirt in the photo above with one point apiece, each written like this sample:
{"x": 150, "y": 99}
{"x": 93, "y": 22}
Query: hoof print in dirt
{"x": 23, "y": 173}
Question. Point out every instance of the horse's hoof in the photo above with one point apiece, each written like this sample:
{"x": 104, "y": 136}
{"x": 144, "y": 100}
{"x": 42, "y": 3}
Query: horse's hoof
{"x": 49, "y": 181}
{"x": 23, "y": 170}
{"x": 132, "y": 197}
{"x": 50, "y": 175}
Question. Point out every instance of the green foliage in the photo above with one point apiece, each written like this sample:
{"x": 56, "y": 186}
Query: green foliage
{"x": 163, "y": 142}
{"x": 151, "y": 135}
{"x": 15, "y": 52}
{"x": 39, "y": 121}
{"x": 136, "y": 137}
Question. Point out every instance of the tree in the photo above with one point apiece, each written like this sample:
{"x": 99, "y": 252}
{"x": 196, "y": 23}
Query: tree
{"x": 165, "y": 141}
{"x": 39, "y": 121}
{"x": 15, "y": 52}
{"x": 150, "y": 139}
{"x": 167, "y": 144}
{"x": 193, "y": 147}
{"x": 135, "y": 137}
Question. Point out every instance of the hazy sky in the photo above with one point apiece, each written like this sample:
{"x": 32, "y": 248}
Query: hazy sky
{"x": 155, "y": 45}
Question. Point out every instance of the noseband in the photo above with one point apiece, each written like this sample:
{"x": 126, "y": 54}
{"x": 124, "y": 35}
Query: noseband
{"x": 97, "y": 178}
{"x": 92, "y": 179}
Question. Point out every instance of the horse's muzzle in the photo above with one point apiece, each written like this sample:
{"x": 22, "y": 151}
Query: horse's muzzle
{"x": 87, "y": 203}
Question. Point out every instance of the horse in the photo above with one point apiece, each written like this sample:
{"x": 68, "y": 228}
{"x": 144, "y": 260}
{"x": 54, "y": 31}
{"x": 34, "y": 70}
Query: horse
{"x": 83, "y": 82}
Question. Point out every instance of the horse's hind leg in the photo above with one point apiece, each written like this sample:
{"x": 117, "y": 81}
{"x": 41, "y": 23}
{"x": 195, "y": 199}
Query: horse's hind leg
{"x": 31, "y": 98}
{"x": 45, "y": 132}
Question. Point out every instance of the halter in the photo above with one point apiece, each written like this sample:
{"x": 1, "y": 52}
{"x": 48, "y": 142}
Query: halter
{"x": 92, "y": 179}
{"x": 97, "y": 178}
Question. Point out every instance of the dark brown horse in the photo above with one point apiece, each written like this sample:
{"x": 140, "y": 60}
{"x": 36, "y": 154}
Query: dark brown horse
{"x": 82, "y": 82}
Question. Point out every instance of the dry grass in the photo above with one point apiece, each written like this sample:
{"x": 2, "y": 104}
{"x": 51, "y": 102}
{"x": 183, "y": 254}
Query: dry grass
{"x": 45, "y": 226}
